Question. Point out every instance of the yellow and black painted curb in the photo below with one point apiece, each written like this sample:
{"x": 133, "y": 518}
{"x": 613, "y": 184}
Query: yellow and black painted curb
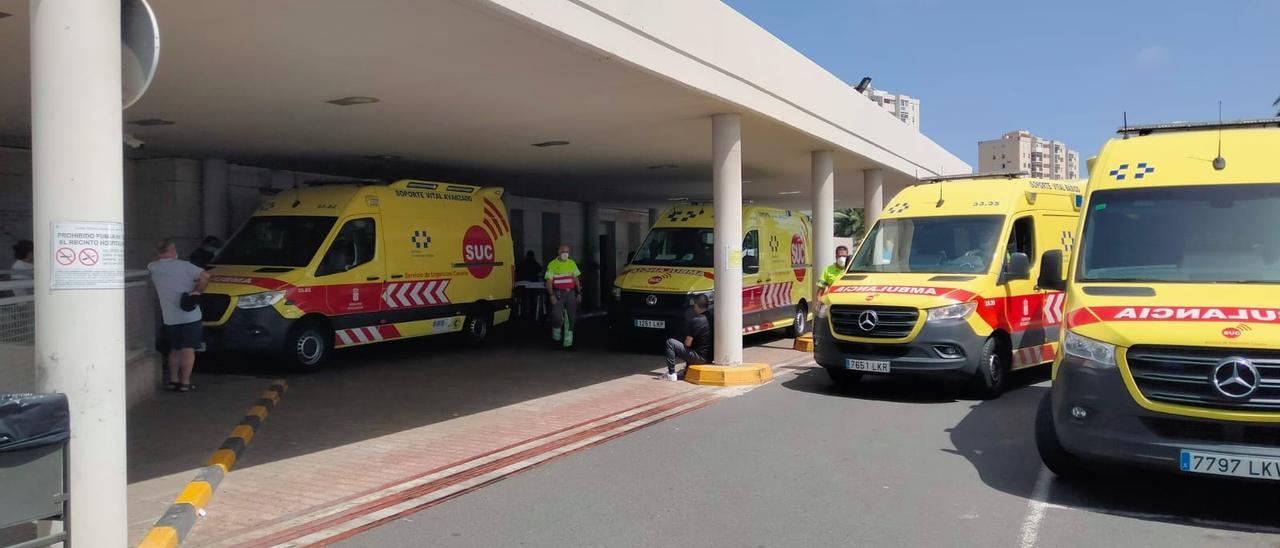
{"x": 804, "y": 343}
{"x": 177, "y": 521}
{"x": 738, "y": 375}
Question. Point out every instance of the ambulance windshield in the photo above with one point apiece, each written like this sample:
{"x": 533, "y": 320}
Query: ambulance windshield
{"x": 276, "y": 241}
{"x": 1190, "y": 234}
{"x": 691, "y": 247}
{"x": 935, "y": 245}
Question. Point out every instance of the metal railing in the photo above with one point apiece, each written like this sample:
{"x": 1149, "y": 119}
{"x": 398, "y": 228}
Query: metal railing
{"x": 17, "y": 327}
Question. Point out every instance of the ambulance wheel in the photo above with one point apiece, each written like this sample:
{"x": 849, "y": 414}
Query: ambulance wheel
{"x": 479, "y": 323}
{"x": 993, "y": 371}
{"x": 308, "y": 346}
{"x": 1055, "y": 457}
{"x": 800, "y": 322}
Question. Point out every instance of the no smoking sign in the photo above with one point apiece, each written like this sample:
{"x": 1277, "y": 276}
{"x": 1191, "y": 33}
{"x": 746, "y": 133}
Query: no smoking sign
{"x": 87, "y": 255}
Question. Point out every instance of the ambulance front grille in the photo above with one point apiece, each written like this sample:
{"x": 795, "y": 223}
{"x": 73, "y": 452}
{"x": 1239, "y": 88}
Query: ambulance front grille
{"x": 884, "y": 322}
{"x": 213, "y": 306}
{"x": 1185, "y": 376}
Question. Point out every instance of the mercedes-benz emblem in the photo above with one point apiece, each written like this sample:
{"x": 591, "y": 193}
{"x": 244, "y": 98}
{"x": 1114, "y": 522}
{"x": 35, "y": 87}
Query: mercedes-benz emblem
{"x": 868, "y": 320}
{"x": 1235, "y": 377}
{"x": 651, "y": 300}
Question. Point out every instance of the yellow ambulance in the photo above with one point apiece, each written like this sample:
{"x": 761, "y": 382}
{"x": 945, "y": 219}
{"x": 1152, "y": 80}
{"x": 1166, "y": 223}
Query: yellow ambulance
{"x": 1171, "y": 352}
{"x": 334, "y": 266}
{"x": 675, "y": 262}
{"x": 944, "y": 285}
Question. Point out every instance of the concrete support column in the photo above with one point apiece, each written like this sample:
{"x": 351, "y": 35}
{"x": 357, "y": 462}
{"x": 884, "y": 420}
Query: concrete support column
{"x": 591, "y": 255}
{"x": 213, "y": 184}
{"x": 726, "y": 178}
{"x": 78, "y": 172}
{"x": 823, "y": 174}
{"x": 872, "y": 196}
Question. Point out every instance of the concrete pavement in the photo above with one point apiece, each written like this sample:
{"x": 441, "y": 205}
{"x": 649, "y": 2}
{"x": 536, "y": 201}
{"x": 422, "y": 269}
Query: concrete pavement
{"x": 794, "y": 464}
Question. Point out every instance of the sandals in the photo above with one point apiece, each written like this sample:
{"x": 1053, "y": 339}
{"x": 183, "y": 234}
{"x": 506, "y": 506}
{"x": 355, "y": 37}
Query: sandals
{"x": 186, "y": 388}
{"x": 173, "y": 386}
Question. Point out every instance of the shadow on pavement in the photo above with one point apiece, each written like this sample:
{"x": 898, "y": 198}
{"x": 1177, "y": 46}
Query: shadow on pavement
{"x": 375, "y": 390}
{"x": 903, "y": 390}
{"x": 998, "y": 439}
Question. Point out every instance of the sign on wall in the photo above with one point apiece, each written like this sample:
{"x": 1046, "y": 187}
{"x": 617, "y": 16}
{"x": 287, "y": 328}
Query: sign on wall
{"x": 87, "y": 255}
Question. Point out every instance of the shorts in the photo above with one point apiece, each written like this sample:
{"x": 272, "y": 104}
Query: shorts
{"x": 185, "y": 335}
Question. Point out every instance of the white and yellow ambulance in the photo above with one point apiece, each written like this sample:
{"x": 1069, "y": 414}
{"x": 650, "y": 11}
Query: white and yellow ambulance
{"x": 652, "y": 294}
{"x": 1171, "y": 351}
{"x": 944, "y": 285}
{"x": 334, "y": 266}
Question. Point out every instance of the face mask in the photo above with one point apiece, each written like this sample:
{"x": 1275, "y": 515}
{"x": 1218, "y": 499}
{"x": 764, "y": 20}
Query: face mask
{"x": 564, "y": 256}
{"x": 842, "y": 261}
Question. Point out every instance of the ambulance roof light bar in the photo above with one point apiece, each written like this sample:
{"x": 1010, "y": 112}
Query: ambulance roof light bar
{"x": 971, "y": 176}
{"x": 1194, "y": 126}
{"x": 361, "y": 182}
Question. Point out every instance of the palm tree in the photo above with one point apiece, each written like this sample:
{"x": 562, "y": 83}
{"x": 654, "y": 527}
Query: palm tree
{"x": 849, "y": 222}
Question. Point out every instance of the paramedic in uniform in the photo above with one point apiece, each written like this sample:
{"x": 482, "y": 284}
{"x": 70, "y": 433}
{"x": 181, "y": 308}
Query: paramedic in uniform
{"x": 835, "y": 270}
{"x": 565, "y": 291}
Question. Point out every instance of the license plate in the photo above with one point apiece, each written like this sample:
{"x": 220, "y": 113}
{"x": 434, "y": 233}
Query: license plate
{"x": 651, "y": 324}
{"x": 870, "y": 366}
{"x": 1240, "y": 466}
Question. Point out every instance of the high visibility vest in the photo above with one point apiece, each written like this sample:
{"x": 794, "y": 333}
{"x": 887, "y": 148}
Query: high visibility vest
{"x": 830, "y": 275}
{"x": 562, "y": 274}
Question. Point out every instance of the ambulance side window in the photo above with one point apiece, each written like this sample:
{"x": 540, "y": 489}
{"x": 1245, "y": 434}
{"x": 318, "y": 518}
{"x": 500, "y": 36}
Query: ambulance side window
{"x": 751, "y": 253}
{"x": 353, "y": 246}
{"x": 1022, "y": 239}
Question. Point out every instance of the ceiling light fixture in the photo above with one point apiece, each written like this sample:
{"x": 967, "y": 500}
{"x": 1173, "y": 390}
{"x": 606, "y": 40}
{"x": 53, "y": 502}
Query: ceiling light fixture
{"x": 546, "y": 144}
{"x": 384, "y": 157}
{"x": 147, "y": 122}
{"x": 677, "y": 199}
{"x": 663, "y": 166}
{"x": 789, "y": 193}
{"x": 354, "y": 100}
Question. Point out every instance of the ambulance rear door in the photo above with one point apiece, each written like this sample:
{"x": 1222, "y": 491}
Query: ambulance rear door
{"x": 779, "y": 282}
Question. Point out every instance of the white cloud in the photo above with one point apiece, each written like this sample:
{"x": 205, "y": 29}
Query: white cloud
{"x": 1151, "y": 57}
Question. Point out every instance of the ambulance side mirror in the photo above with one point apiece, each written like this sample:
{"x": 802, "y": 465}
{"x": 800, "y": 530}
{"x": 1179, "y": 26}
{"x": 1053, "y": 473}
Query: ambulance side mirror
{"x": 1019, "y": 268}
{"x": 1051, "y": 276}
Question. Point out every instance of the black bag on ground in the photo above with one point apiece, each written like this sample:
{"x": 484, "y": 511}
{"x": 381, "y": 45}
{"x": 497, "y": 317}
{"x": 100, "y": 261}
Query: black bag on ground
{"x": 33, "y": 420}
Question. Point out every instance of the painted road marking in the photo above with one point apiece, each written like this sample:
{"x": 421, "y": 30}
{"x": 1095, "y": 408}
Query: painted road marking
{"x": 1036, "y": 506}
{"x": 436, "y": 486}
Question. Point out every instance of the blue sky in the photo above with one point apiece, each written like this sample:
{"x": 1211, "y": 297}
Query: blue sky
{"x": 1064, "y": 69}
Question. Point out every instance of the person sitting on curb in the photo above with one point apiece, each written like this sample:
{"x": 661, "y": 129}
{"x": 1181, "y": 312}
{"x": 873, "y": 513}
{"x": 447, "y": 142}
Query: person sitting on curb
{"x": 695, "y": 348}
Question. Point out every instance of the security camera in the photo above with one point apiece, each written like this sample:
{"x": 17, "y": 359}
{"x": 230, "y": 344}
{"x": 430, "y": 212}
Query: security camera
{"x": 133, "y": 142}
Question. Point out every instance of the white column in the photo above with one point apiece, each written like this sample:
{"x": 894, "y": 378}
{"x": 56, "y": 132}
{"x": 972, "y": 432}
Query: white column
{"x": 823, "y": 173}
{"x": 78, "y": 172}
{"x": 726, "y": 177}
{"x": 872, "y": 195}
{"x": 213, "y": 184}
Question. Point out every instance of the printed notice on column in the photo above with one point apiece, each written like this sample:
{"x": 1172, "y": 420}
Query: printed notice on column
{"x": 87, "y": 255}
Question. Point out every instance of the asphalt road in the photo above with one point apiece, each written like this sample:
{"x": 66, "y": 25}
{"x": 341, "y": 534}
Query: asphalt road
{"x": 795, "y": 464}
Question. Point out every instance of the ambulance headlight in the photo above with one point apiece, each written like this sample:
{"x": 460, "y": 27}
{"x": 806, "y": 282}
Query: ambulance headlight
{"x": 259, "y": 300}
{"x": 617, "y": 293}
{"x": 1094, "y": 353}
{"x": 958, "y": 311}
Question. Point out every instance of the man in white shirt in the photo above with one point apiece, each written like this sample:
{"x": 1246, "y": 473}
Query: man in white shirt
{"x": 178, "y": 285}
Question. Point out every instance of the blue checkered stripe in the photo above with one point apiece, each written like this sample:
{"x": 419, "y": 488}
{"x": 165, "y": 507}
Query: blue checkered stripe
{"x": 1139, "y": 171}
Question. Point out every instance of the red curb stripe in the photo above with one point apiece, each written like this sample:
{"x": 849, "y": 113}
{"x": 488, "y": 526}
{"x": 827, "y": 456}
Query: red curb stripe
{"x": 371, "y": 525}
{"x": 436, "y": 485}
{"x": 460, "y": 462}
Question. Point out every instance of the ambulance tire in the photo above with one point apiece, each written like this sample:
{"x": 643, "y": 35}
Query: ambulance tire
{"x": 800, "y": 321}
{"x": 308, "y": 346}
{"x": 992, "y": 374}
{"x": 478, "y": 325}
{"x": 1055, "y": 457}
